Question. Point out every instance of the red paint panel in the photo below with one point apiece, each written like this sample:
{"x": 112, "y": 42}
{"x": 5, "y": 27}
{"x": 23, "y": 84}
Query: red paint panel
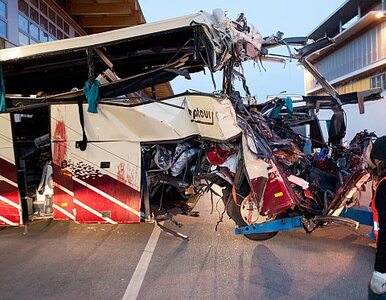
{"x": 112, "y": 187}
{"x": 6, "y": 210}
{"x": 8, "y": 170}
{"x": 62, "y": 177}
{"x": 60, "y": 143}
{"x": 65, "y": 202}
{"x": 92, "y": 200}
{"x": 99, "y": 203}
{"x": 12, "y": 218}
{"x": 276, "y": 197}
{"x": 10, "y": 192}
{"x": 62, "y": 198}
{"x": 117, "y": 189}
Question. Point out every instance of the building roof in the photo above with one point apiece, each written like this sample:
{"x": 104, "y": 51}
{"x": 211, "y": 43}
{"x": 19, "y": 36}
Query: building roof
{"x": 98, "y": 40}
{"x": 348, "y": 10}
{"x": 345, "y": 36}
{"x": 98, "y": 16}
{"x": 142, "y": 56}
{"x": 91, "y": 16}
{"x": 94, "y": 16}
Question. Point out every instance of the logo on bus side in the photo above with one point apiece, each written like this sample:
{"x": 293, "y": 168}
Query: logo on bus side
{"x": 202, "y": 116}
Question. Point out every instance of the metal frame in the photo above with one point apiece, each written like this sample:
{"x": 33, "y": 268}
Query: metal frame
{"x": 361, "y": 214}
{"x": 285, "y": 224}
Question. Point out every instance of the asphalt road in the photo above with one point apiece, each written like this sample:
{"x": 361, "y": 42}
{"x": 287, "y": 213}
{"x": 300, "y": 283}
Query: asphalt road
{"x": 64, "y": 260}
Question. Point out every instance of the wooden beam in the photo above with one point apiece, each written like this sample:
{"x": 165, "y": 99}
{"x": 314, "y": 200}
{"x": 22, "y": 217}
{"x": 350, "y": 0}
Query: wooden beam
{"x": 140, "y": 18}
{"x": 147, "y": 91}
{"x": 134, "y": 5}
{"x": 93, "y": 30}
{"x": 107, "y": 21}
{"x": 99, "y": 29}
{"x": 100, "y": 9}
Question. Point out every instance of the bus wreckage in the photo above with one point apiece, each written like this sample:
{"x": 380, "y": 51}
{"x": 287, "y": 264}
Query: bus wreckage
{"x": 106, "y": 153}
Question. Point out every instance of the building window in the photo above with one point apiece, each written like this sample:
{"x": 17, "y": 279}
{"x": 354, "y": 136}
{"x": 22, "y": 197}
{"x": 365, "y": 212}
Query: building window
{"x": 43, "y": 36}
{"x": 23, "y": 23}
{"x": 366, "y": 49}
{"x": 23, "y": 39}
{"x": 39, "y": 23}
{"x": 34, "y": 31}
{"x": 3, "y": 19}
{"x": 3, "y": 10}
{"x": 379, "y": 81}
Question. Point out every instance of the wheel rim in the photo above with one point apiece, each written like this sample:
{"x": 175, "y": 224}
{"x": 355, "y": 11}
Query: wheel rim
{"x": 249, "y": 211}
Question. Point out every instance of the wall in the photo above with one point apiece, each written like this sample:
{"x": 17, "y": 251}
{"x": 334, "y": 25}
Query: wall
{"x": 363, "y": 51}
{"x": 33, "y": 23}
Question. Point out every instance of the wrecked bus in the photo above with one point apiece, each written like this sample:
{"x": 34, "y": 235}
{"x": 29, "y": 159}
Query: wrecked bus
{"x": 58, "y": 160}
{"x": 106, "y": 153}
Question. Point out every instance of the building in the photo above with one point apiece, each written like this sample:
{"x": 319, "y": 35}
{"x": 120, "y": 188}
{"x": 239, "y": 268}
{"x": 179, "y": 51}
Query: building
{"x": 357, "y": 59}
{"x": 24, "y": 22}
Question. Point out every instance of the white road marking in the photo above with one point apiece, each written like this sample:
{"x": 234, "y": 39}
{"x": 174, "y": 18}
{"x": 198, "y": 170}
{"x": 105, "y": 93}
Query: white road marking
{"x": 63, "y": 211}
{"x": 135, "y": 283}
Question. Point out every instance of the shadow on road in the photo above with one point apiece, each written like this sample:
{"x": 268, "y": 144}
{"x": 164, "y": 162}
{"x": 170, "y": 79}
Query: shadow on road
{"x": 348, "y": 283}
{"x": 268, "y": 278}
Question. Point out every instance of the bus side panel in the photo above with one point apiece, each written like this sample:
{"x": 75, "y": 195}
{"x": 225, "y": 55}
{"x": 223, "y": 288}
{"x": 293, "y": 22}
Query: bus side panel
{"x": 98, "y": 185}
{"x": 10, "y": 207}
{"x": 63, "y": 202}
{"x": 106, "y": 180}
{"x": 63, "y": 199}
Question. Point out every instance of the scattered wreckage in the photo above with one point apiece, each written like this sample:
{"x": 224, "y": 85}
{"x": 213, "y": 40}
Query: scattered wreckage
{"x": 125, "y": 158}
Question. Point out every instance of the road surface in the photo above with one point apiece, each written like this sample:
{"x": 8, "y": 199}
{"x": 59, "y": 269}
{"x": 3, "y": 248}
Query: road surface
{"x": 64, "y": 260}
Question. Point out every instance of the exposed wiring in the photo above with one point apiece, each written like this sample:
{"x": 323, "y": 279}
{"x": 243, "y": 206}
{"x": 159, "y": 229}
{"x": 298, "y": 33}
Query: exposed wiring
{"x": 221, "y": 214}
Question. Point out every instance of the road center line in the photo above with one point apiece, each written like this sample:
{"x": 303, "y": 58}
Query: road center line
{"x": 135, "y": 283}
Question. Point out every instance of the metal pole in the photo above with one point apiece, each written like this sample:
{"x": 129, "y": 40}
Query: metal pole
{"x": 322, "y": 81}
